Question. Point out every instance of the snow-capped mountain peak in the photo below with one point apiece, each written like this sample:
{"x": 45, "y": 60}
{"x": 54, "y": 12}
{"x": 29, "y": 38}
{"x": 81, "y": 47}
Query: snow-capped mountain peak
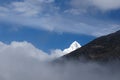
{"x": 75, "y": 45}
{"x": 59, "y": 53}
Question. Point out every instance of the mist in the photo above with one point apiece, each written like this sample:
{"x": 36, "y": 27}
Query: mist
{"x": 16, "y": 63}
{"x": 32, "y": 69}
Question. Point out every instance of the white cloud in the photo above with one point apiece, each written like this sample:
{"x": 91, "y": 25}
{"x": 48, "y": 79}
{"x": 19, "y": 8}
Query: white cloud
{"x": 104, "y": 5}
{"x": 56, "y": 53}
{"x": 22, "y": 49}
{"x": 25, "y": 8}
{"x": 106, "y": 31}
{"x": 75, "y": 11}
{"x": 107, "y": 4}
{"x": 27, "y": 50}
{"x": 43, "y": 14}
{"x": 18, "y": 62}
{"x": 61, "y": 24}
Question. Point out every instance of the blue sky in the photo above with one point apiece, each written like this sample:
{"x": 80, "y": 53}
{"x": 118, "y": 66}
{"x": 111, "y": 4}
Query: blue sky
{"x": 55, "y": 24}
{"x": 44, "y": 40}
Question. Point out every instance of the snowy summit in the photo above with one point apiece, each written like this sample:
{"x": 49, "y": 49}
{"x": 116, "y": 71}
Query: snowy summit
{"x": 75, "y": 45}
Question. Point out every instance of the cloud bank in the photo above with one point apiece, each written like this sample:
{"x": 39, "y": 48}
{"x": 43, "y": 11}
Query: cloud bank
{"x": 19, "y": 49}
{"x": 28, "y": 50}
{"x": 21, "y": 60}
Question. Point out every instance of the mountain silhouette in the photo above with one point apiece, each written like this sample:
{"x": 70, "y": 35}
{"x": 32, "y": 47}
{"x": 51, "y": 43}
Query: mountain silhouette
{"x": 104, "y": 48}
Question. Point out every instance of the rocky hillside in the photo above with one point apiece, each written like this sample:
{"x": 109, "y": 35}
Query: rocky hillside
{"x": 103, "y": 48}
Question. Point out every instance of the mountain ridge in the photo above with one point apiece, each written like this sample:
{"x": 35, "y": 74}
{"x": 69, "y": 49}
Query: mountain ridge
{"x": 101, "y": 49}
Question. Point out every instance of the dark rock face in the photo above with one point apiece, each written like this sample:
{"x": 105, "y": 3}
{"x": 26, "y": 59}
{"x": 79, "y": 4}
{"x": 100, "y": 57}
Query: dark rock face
{"x": 103, "y": 48}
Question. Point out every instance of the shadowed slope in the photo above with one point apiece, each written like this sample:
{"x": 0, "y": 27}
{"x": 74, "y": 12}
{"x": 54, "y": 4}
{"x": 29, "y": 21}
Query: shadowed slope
{"x": 103, "y": 48}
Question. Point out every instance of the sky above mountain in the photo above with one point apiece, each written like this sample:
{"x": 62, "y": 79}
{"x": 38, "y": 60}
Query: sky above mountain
{"x": 34, "y": 32}
{"x": 55, "y": 24}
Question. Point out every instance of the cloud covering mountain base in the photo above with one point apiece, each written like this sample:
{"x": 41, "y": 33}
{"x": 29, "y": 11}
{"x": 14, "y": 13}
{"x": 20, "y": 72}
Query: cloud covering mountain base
{"x": 18, "y": 61}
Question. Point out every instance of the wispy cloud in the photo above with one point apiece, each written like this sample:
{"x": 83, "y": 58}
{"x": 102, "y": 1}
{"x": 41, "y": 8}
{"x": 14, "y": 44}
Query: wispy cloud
{"x": 44, "y": 14}
{"x": 103, "y": 5}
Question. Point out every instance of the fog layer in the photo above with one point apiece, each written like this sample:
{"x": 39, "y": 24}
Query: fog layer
{"x": 16, "y": 63}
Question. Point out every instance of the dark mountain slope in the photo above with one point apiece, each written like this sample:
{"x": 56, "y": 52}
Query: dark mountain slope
{"x": 103, "y": 48}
